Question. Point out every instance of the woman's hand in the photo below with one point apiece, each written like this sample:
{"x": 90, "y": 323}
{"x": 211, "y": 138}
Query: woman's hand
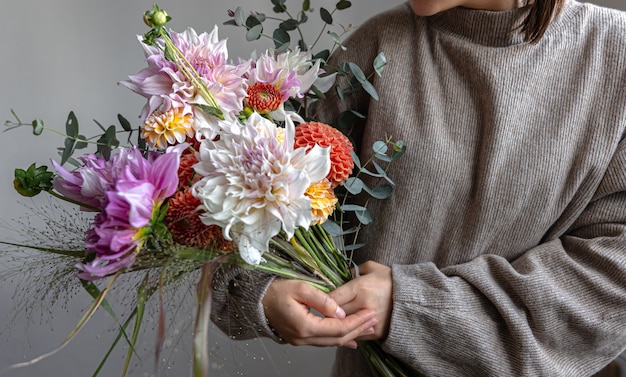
{"x": 371, "y": 291}
{"x": 287, "y": 306}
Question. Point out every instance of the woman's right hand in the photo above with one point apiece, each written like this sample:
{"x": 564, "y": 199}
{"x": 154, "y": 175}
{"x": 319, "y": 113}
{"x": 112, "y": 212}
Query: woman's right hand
{"x": 287, "y": 305}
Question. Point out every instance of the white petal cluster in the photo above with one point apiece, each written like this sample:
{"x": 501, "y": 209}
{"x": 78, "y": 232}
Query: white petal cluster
{"x": 253, "y": 184}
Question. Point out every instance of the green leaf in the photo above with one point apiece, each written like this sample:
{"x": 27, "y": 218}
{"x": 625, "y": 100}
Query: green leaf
{"x": 343, "y": 4}
{"x": 302, "y": 45}
{"x": 332, "y": 228}
{"x": 382, "y": 172}
{"x": 303, "y": 17}
{"x": 326, "y": 16}
{"x": 124, "y": 123}
{"x": 279, "y": 6}
{"x": 364, "y": 217}
{"x": 306, "y": 5}
{"x": 111, "y": 137}
{"x": 354, "y": 185}
{"x": 252, "y": 21}
{"x": 379, "y": 192}
{"x": 81, "y": 142}
{"x": 357, "y": 72}
{"x": 254, "y": 33}
{"x": 71, "y": 125}
{"x": 356, "y": 159}
{"x": 169, "y": 53}
{"x": 322, "y": 55}
{"x": 379, "y": 147}
{"x": 281, "y": 37}
{"x": 68, "y": 149}
{"x": 212, "y": 111}
{"x": 288, "y": 25}
{"x": 340, "y": 93}
{"x": 379, "y": 63}
{"x": 369, "y": 88}
{"x": 239, "y": 17}
{"x": 353, "y": 208}
{"x": 398, "y": 150}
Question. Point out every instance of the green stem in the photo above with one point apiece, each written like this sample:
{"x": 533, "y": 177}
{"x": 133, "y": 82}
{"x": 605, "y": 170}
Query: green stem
{"x": 188, "y": 70}
{"x": 65, "y": 198}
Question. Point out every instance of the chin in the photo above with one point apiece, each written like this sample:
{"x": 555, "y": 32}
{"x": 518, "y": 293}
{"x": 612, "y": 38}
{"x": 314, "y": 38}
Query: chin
{"x": 430, "y": 7}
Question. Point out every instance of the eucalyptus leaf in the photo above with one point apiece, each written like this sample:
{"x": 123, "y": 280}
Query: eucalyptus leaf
{"x": 288, "y": 25}
{"x": 68, "y": 149}
{"x": 124, "y": 123}
{"x": 357, "y": 72}
{"x": 71, "y": 125}
{"x": 353, "y": 208}
{"x": 239, "y": 16}
{"x": 369, "y": 88}
{"x": 340, "y": 93}
{"x": 343, "y": 4}
{"x": 306, "y": 5}
{"x": 81, "y": 142}
{"x": 356, "y": 159}
{"x": 281, "y": 37}
{"x": 332, "y": 228}
{"x": 355, "y": 246}
{"x": 382, "y": 172}
{"x": 254, "y": 33}
{"x": 379, "y": 192}
{"x": 379, "y": 63}
{"x": 383, "y": 157}
{"x": 252, "y": 21}
{"x": 326, "y": 16}
{"x": 303, "y": 17}
{"x": 379, "y": 147}
{"x": 354, "y": 185}
{"x": 364, "y": 217}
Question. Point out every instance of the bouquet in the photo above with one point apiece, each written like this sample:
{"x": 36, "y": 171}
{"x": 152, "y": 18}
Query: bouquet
{"x": 229, "y": 167}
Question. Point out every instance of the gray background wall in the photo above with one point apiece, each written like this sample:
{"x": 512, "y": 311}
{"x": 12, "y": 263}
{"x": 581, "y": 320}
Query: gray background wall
{"x": 68, "y": 55}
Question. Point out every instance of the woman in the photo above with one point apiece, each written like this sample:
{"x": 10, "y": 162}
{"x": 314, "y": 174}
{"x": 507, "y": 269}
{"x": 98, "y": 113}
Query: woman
{"x": 503, "y": 250}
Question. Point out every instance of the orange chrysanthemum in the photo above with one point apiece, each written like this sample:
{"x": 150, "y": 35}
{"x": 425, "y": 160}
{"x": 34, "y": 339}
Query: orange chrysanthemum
{"x": 164, "y": 128}
{"x": 186, "y": 173}
{"x": 264, "y": 97}
{"x": 312, "y": 133}
{"x": 323, "y": 200}
{"x": 183, "y": 221}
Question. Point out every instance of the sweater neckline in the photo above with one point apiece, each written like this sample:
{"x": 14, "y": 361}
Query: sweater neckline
{"x": 491, "y": 28}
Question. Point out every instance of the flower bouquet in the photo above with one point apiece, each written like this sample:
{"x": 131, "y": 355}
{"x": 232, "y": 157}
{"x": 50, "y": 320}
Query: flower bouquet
{"x": 230, "y": 167}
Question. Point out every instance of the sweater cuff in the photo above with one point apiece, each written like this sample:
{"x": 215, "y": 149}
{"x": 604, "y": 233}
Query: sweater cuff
{"x": 238, "y": 311}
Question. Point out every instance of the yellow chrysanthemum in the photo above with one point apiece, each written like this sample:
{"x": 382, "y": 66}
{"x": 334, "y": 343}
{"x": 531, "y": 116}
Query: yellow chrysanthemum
{"x": 164, "y": 128}
{"x": 323, "y": 200}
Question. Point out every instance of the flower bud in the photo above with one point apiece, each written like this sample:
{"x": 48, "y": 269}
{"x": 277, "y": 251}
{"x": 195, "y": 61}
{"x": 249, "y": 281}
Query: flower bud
{"x": 156, "y": 17}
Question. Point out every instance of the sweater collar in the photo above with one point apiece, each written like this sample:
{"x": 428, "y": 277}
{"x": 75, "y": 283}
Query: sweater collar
{"x": 490, "y": 28}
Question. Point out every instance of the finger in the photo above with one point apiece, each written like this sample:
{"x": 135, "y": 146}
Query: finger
{"x": 344, "y": 294}
{"x": 340, "y": 338}
{"x": 320, "y": 301}
{"x": 349, "y": 327}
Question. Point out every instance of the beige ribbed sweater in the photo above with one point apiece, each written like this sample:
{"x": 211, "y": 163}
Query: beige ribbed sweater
{"x": 507, "y": 230}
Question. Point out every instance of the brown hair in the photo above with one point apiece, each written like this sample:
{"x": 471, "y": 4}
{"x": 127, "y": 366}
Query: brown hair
{"x": 536, "y": 22}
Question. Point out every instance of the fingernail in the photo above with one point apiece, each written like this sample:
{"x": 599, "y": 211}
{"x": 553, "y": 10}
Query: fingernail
{"x": 340, "y": 312}
{"x": 351, "y": 344}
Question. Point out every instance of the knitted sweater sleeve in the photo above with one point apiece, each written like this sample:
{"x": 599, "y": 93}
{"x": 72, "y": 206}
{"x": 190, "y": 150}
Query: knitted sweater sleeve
{"x": 558, "y": 310}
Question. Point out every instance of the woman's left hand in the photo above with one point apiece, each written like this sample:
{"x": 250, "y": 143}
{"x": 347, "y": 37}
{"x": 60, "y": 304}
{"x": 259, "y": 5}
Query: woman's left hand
{"x": 372, "y": 290}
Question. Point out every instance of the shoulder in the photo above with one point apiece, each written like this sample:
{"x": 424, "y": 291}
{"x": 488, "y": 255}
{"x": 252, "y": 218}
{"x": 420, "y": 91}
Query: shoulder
{"x": 595, "y": 24}
{"x": 385, "y": 25}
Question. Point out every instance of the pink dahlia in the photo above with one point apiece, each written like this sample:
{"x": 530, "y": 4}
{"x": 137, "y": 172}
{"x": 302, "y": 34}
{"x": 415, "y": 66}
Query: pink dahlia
{"x": 138, "y": 188}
